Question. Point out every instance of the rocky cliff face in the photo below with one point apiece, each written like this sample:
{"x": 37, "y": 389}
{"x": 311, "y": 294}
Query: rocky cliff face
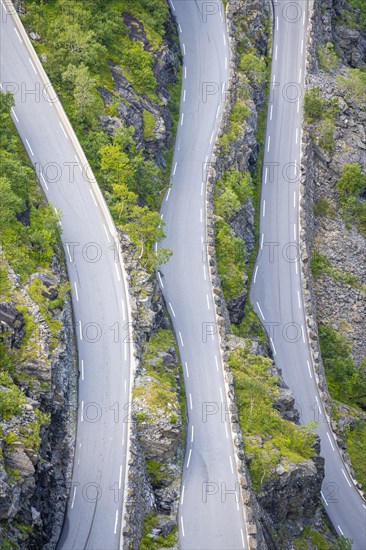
{"x": 37, "y": 436}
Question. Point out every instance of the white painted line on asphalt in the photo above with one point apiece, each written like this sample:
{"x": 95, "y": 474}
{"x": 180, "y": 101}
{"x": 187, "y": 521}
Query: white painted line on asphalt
{"x": 302, "y": 46}
{"x": 204, "y": 272}
{"x": 237, "y": 501}
{"x": 15, "y": 116}
{"x": 82, "y": 411}
{"x": 181, "y": 339}
{"x": 226, "y": 431}
{"x": 255, "y": 274}
{"x": 344, "y": 473}
{"x": 175, "y": 168}
{"x": 180, "y": 28}
{"x": 330, "y": 441}
{"x": 73, "y": 498}
{"x": 76, "y": 158}
{"x": 276, "y": 50}
{"x": 76, "y": 291}
{"x": 192, "y": 434}
{"x": 33, "y": 67}
{"x": 323, "y": 497}
{"x": 265, "y": 175}
{"x": 185, "y": 72}
{"x": 187, "y": 371}
{"x": 123, "y": 309}
{"x": 231, "y": 464}
{"x": 294, "y": 199}
{"x": 217, "y": 112}
{"x": 182, "y": 497}
{"x": 299, "y": 299}
{"x": 179, "y": 144}
{"x": 167, "y": 196}
{"x": 82, "y": 369}
{"x": 160, "y": 280}
{"x": 296, "y": 135}
{"x": 56, "y": 212}
{"x": 182, "y": 525}
{"x": 156, "y": 247}
{"x": 44, "y": 181}
{"x": 202, "y": 184}
{"x": 125, "y": 387}
{"x": 300, "y": 73}
{"x": 260, "y": 311}
{"x": 211, "y": 138}
{"x": 182, "y": 119}
{"x": 115, "y": 523}
{"x": 298, "y": 105}
{"x": 16, "y": 32}
{"x": 171, "y": 307}
{"x": 120, "y": 477}
{"x": 340, "y": 530}
{"x": 296, "y": 268}
{"x": 317, "y": 402}
{"x": 190, "y": 401}
{"x": 303, "y": 333}
{"x": 264, "y": 208}
{"x": 271, "y": 113}
{"x": 225, "y": 68}
{"x": 201, "y": 215}
{"x": 208, "y": 301}
{"x": 221, "y": 396}
{"x": 117, "y": 271}
{"x": 274, "y": 80}
{"x": 295, "y": 167}
{"x": 277, "y": 23}
{"x": 184, "y": 49}
{"x": 217, "y": 363}
{"x": 80, "y": 331}
{"x": 2, "y": 3}
{"x": 123, "y": 434}
{"x": 30, "y": 148}
{"x": 68, "y": 251}
{"x": 268, "y": 143}
{"x": 294, "y": 231}
{"x": 224, "y": 38}
{"x": 274, "y": 349}
{"x": 92, "y": 194}
{"x": 223, "y": 84}
{"x": 309, "y": 369}
{"x": 172, "y": 5}
{"x": 106, "y": 232}
{"x": 303, "y": 18}
{"x": 63, "y": 129}
{"x": 125, "y": 350}
{"x": 189, "y": 458}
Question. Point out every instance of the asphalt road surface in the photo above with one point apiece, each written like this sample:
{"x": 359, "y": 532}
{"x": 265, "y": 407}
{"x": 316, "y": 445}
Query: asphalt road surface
{"x": 276, "y": 292}
{"x": 99, "y": 295}
{"x": 211, "y": 514}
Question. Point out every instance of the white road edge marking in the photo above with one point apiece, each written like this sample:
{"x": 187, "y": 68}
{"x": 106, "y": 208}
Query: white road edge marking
{"x": 15, "y": 116}
{"x": 182, "y": 524}
{"x": 175, "y": 168}
{"x": 296, "y": 135}
{"x": 123, "y": 309}
{"x": 201, "y": 215}
{"x": 317, "y": 402}
{"x": 217, "y": 363}
{"x": 44, "y": 181}
{"x": 172, "y": 310}
{"x": 300, "y": 73}
{"x": 299, "y": 299}
{"x": 185, "y": 72}
{"x": 106, "y": 232}
{"x": 323, "y": 497}
{"x": 68, "y": 251}
{"x": 192, "y": 434}
{"x": 262, "y": 240}
{"x": 160, "y": 280}
{"x": 172, "y": 5}
{"x": 302, "y": 46}
{"x": 76, "y": 291}
{"x": 189, "y": 458}
{"x": 180, "y": 28}
{"x": 224, "y": 38}
{"x": 184, "y": 49}
{"x": 80, "y": 331}
{"x": 255, "y": 274}
{"x": 221, "y": 396}
{"x": 277, "y": 23}
{"x": 82, "y": 411}
{"x": 231, "y": 464}
{"x": 294, "y": 231}
{"x": 63, "y": 129}
{"x": 204, "y": 272}
{"x": 303, "y": 333}
{"x": 294, "y": 199}
{"x": 271, "y": 113}
{"x": 182, "y": 119}
{"x": 330, "y": 441}
{"x": 18, "y": 35}
{"x": 73, "y": 498}
{"x": 82, "y": 369}
{"x": 33, "y": 67}
{"x": 307, "y": 361}
{"x": 225, "y": 68}
{"x": 274, "y": 349}
{"x": 211, "y": 138}
{"x": 182, "y": 497}
{"x": 187, "y": 371}
{"x": 3, "y": 5}
{"x": 117, "y": 272}
{"x": 30, "y": 148}
{"x": 340, "y": 530}
{"x": 120, "y": 477}
{"x": 190, "y": 401}
{"x": 217, "y": 112}
{"x": 260, "y": 311}
{"x": 276, "y": 50}
{"x": 344, "y": 473}
{"x": 92, "y": 194}
{"x": 181, "y": 339}
{"x": 208, "y": 301}
{"x": 116, "y": 522}
{"x": 264, "y": 208}
{"x": 167, "y": 196}
{"x": 268, "y": 143}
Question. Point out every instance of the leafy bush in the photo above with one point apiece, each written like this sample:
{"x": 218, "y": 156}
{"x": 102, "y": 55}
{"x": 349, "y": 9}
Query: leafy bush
{"x": 12, "y": 398}
{"x": 314, "y": 104}
{"x": 230, "y": 254}
{"x": 149, "y": 124}
{"x": 327, "y": 56}
{"x": 324, "y": 208}
{"x": 231, "y": 191}
{"x": 356, "y": 448}
{"x": 253, "y": 66}
{"x": 155, "y": 543}
{"x": 319, "y": 264}
{"x": 352, "y": 180}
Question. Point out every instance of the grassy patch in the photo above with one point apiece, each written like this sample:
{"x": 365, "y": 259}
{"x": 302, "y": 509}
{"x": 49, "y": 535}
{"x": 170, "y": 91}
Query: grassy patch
{"x": 356, "y": 448}
{"x": 149, "y": 124}
{"x": 319, "y": 541}
{"x": 327, "y": 56}
{"x": 320, "y": 264}
{"x": 149, "y": 543}
{"x": 322, "y": 114}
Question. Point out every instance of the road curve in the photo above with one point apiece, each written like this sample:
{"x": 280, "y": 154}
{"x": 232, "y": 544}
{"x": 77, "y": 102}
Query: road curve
{"x": 276, "y": 291}
{"x": 211, "y": 514}
{"x": 99, "y": 295}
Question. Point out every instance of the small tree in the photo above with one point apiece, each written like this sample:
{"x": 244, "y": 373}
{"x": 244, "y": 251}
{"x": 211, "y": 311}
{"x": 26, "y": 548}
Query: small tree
{"x": 352, "y": 181}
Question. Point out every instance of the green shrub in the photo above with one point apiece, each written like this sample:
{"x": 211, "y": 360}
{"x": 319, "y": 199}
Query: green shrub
{"x": 231, "y": 191}
{"x": 327, "y": 56}
{"x": 356, "y": 448}
{"x": 253, "y": 66}
{"x": 230, "y": 255}
{"x": 353, "y": 85}
{"x": 12, "y": 398}
{"x": 352, "y": 180}
{"x": 314, "y": 104}
{"x": 319, "y": 264}
{"x": 149, "y": 543}
{"x": 324, "y": 208}
{"x": 149, "y": 124}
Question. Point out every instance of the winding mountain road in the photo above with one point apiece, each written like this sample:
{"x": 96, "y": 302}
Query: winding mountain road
{"x": 211, "y": 513}
{"x": 99, "y": 294}
{"x": 276, "y": 291}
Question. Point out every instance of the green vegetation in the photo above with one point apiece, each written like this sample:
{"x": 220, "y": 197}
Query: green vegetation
{"x": 281, "y": 442}
{"x": 321, "y": 264}
{"x": 79, "y": 39}
{"x": 149, "y": 124}
{"x": 350, "y": 186}
{"x": 324, "y": 208}
{"x": 322, "y": 115}
{"x": 150, "y": 543}
{"x": 327, "y": 56}
{"x": 356, "y": 448}
{"x": 157, "y": 472}
{"x": 12, "y": 398}
{"x": 346, "y": 382}
{"x": 320, "y": 542}
{"x": 353, "y": 84}
{"x": 253, "y": 66}
{"x": 231, "y": 191}
{"x": 230, "y": 255}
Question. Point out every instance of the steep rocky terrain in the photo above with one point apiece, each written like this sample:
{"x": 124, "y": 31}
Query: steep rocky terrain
{"x": 335, "y": 167}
